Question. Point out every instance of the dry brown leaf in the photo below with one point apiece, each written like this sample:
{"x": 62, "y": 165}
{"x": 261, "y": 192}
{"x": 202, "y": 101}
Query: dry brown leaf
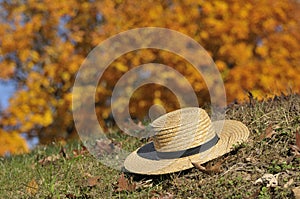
{"x": 210, "y": 168}
{"x": 296, "y": 191}
{"x": 216, "y": 168}
{"x": 124, "y": 184}
{"x": 296, "y": 148}
{"x": 104, "y": 146}
{"x": 93, "y": 181}
{"x": 78, "y": 152}
{"x": 32, "y": 187}
{"x": 268, "y": 133}
{"x": 48, "y": 159}
{"x": 199, "y": 166}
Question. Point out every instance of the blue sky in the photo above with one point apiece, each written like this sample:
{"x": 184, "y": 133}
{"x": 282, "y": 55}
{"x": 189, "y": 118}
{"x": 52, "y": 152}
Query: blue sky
{"x": 6, "y": 91}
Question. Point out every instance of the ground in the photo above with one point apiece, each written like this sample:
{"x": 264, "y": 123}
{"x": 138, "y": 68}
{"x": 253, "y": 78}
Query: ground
{"x": 69, "y": 171}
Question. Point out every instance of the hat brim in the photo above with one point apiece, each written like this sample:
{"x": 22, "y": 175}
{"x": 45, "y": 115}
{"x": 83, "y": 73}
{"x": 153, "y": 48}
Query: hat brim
{"x": 145, "y": 161}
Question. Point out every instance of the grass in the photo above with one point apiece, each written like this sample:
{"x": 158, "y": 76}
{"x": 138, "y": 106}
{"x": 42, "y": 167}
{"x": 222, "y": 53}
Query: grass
{"x": 69, "y": 171}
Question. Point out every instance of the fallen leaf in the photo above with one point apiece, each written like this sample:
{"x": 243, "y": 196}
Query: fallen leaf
{"x": 210, "y": 168}
{"x": 48, "y": 159}
{"x": 32, "y": 187}
{"x": 104, "y": 146}
{"x": 199, "y": 166}
{"x": 93, "y": 181}
{"x": 124, "y": 184}
{"x": 296, "y": 191}
{"x": 296, "y": 148}
{"x": 268, "y": 133}
{"x": 78, "y": 152}
{"x": 215, "y": 168}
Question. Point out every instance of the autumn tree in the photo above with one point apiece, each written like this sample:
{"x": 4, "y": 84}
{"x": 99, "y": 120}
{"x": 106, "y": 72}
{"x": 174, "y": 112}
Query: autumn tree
{"x": 255, "y": 45}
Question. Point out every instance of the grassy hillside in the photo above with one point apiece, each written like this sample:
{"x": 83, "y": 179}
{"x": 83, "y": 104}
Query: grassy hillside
{"x": 69, "y": 171}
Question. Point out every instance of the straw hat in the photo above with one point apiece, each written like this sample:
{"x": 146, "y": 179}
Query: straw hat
{"x": 184, "y": 136}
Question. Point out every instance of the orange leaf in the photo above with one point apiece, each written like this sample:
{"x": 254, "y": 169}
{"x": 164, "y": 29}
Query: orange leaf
{"x": 210, "y": 168}
{"x": 32, "y": 187}
{"x": 77, "y": 152}
{"x": 216, "y": 168}
{"x": 268, "y": 133}
{"x": 296, "y": 148}
{"x": 199, "y": 166}
{"x": 93, "y": 181}
{"x": 124, "y": 184}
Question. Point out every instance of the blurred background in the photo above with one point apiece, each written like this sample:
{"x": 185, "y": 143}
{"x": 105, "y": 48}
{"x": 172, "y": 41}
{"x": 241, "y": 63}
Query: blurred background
{"x": 254, "y": 43}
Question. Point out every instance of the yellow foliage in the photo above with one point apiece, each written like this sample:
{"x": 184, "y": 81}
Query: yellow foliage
{"x": 12, "y": 143}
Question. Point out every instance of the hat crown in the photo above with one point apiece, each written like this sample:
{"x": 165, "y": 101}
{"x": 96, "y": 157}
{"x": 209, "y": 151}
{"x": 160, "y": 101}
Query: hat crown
{"x": 182, "y": 129}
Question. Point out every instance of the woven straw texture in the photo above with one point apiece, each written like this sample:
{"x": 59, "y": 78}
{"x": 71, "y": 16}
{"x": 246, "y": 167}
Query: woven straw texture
{"x": 171, "y": 136}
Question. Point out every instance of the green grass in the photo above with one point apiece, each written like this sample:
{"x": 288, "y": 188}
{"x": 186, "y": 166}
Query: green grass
{"x": 82, "y": 176}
